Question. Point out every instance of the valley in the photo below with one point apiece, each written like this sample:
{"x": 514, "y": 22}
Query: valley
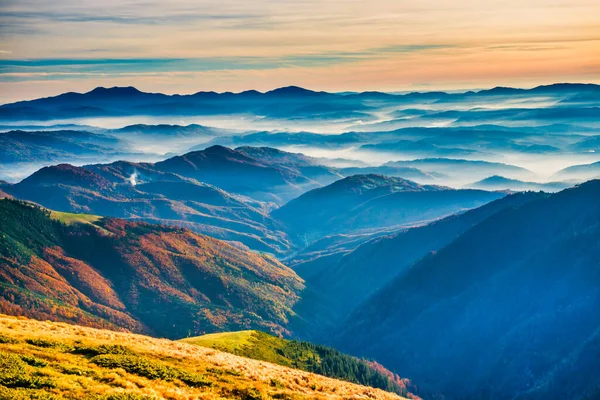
{"x": 298, "y": 244}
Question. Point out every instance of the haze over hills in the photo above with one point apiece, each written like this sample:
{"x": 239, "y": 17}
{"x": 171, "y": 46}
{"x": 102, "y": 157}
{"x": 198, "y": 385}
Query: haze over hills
{"x": 591, "y": 171}
{"x": 181, "y": 191}
{"x": 287, "y": 101}
{"x": 516, "y": 296}
{"x": 464, "y": 169}
{"x": 501, "y": 183}
{"x": 56, "y": 146}
{"x": 238, "y": 173}
{"x": 518, "y": 127}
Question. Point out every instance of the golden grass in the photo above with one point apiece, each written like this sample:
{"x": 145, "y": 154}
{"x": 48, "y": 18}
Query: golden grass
{"x": 47, "y": 349}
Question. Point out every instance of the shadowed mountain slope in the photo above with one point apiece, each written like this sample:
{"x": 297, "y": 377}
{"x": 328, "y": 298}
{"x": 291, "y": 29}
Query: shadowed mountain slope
{"x": 340, "y": 284}
{"x": 511, "y": 305}
{"x": 238, "y": 173}
{"x": 371, "y": 202}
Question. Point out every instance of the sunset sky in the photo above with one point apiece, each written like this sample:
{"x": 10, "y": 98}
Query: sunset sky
{"x": 184, "y": 46}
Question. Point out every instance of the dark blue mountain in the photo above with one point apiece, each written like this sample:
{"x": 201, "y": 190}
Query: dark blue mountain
{"x": 508, "y": 310}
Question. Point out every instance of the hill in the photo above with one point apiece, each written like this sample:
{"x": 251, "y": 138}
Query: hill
{"x": 236, "y": 172}
{"x": 412, "y": 174}
{"x": 511, "y": 305}
{"x": 59, "y": 146}
{"x": 139, "y": 191}
{"x": 336, "y": 286}
{"x": 128, "y": 101}
{"x": 50, "y": 360}
{"x": 309, "y": 167}
{"x": 583, "y": 171}
{"x": 304, "y": 356}
{"x": 370, "y": 202}
{"x": 465, "y": 169}
{"x": 118, "y": 274}
{"x": 501, "y": 183}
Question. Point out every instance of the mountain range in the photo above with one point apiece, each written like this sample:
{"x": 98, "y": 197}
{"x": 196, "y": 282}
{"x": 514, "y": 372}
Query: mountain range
{"x": 510, "y": 304}
{"x": 283, "y": 102}
{"x": 370, "y": 202}
{"x": 449, "y": 238}
{"x": 249, "y": 204}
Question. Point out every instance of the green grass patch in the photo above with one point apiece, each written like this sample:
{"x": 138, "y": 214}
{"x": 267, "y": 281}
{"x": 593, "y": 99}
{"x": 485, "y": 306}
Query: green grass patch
{"x": 72, "y": 218}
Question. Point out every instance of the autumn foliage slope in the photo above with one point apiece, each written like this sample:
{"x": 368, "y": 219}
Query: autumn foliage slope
{"x": 145, "y": 278}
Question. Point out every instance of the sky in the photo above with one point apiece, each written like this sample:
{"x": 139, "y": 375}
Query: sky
{"x": 49, "y": 47}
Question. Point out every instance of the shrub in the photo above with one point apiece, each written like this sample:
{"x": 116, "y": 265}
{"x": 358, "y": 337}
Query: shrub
{"x": 68, "y": 370}
{"x": 48, "y": 344}
{"x": 91, "y": 351}
{"x": 277, "y": 384}
{"x": 220, "y": 371}
{"x": 247, "y": 394}
{"x": 127, "y": 396}
{"x": 142, "y": 366}
{"x": 25, "y": 394}
{"x": 8, "y": 340}
{"x": 34, "y": 361}
{"x": 14, "y": 373}
{"x": 136, "y": 365}
{"x": 194, "y": 380}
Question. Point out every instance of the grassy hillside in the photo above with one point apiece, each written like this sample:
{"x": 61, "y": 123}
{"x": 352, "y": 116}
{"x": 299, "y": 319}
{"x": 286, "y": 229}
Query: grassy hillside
{"x": 305, "y": 356}
{"x": 70, "y": 218}
{"x": 47, "y": 360}
{"x": 116, "y": 274}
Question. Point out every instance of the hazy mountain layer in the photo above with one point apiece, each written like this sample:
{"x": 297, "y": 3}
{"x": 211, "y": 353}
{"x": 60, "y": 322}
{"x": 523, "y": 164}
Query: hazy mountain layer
{"x": 369, "y": 202}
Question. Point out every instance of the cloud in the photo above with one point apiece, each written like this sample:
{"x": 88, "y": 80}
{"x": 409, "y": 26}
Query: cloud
{"x": 12, "y": 70}
{"x": 368, "y": 44}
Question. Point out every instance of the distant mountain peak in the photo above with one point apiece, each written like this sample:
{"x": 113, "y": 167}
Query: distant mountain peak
{"x": 218, "y": 149}
{"x": 291, "y": 91}
{"x": 116, "y": 90}
{"x": 371, "y": 181}
{"x": 66, "y": 174}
